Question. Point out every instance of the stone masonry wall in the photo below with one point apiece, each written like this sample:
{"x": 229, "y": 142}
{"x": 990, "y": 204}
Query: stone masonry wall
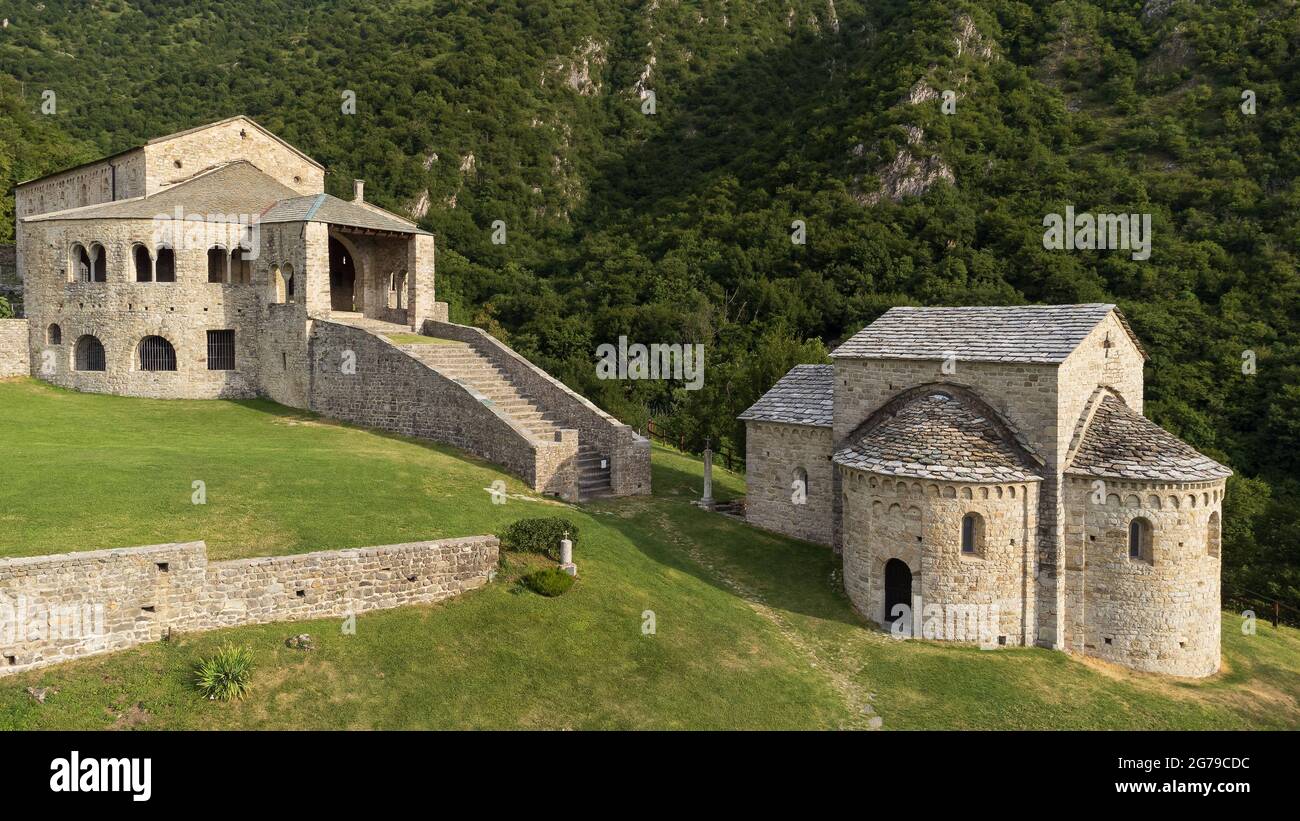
{"x": 773, "y": 452}
{"x": 629, "y": 453}
{"x": 919, "y": 523}
{"x": 393, "y": 391}
{"x": 57, "y": 608}
{"x": 177, "y": 159}
{"x": 1159, "y": 612}
{"x": 15, "y": 360}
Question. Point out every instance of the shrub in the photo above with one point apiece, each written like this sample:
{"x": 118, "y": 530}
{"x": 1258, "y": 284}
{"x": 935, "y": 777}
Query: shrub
{"x": 540, "y": 535}
{"x": 226, "y": 675}
{"x": 550, "y": 582}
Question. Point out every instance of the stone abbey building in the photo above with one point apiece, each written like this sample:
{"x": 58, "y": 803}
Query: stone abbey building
{"x": 211, "y": 264}
{"x": 996, "y": 460}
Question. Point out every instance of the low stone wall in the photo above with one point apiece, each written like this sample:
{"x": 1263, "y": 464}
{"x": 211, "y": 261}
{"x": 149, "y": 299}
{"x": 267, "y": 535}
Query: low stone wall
{"x": 389, "y": 389}
{"x": 629, "y": 454}
{"x": 57, "y": 608}
{"x": 15, "y": 359}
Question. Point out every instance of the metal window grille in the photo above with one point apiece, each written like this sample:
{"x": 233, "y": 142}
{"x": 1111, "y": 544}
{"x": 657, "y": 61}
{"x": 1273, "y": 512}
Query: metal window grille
{"x": 90, "y": 354}
{"x": 157, "y": 354}
{"x": 221, "y": 350}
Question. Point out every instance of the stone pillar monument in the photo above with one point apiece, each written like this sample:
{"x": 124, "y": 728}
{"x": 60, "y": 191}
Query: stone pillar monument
{"x": 566, "y": 555}
{"x": 706, "y": 501}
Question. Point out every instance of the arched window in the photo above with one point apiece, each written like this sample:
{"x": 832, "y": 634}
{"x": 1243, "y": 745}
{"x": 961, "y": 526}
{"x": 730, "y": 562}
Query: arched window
{"x": 54, "y": 335}
{"x": 81, "y": 270}
{"x": 1139, "y": 539}
{"x": 165, "y": 265}
{"x": 216, "y": 264}
{"x": 972, "y": 534}
{"x": 98, "y": 263}
{"x": 288, "y": 284}
{"x": 157, "y": 354}
{"x": 89, "y": 355}
{"x": 1213, "y": 535}
{"x": 799, "y": 487}
{"x": 143, "y": 264}
{"x": 241, "y": 268}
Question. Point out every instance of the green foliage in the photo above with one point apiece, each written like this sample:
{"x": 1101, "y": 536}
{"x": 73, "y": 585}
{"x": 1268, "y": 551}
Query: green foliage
{"x": 549, "y": 582}
{"x": 226, "y": 675}
{"x": 6, "y": 310}
{"x": 677, "y": 227}
{"x": 539, "y": 535}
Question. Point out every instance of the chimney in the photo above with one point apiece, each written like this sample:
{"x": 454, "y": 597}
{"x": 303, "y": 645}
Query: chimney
{"x": 358, "y": 190}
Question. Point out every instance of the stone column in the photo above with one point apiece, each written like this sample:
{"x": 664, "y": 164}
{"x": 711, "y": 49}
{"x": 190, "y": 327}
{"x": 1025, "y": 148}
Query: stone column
{"x": 419, "y": 280}
{"x": 707, "y": 500}
{"x": 566, "y": 555}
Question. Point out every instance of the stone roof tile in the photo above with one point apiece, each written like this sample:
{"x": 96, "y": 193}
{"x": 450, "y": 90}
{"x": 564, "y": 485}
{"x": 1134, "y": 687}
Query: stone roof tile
{"x": 1121, "y": 443}
{"x": 937, "y": 436}
{"x": 804, "y": 396}
{"x": 1045, "y": 334}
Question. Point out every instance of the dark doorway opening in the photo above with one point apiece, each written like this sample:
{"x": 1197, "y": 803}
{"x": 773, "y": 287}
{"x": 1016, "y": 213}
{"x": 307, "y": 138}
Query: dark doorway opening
{"x": 898, "y": 587}
{"x": 343, "y": 278}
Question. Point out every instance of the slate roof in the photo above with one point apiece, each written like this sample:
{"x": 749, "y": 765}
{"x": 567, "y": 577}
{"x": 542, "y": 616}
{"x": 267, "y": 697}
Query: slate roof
{"x": 1044, "y": 334}
{"x": 327, "y": 208}
{"x": 804, "y": 396}
{"x": 234, "y": 188}
{"x": 936, "y": 436}
{"x": 240, "y": 188}
{"x": 1120, "y": 443}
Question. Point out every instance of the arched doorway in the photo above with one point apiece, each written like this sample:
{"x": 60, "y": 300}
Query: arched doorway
{"x": 343, "y": 277}
{"x": 898, "y": 587}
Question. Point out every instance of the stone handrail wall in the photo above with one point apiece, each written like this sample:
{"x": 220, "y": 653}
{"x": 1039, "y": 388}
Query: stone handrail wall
{"x": 15, "y": 359}
{"x": 628, "y": 452}
{"x": 61, "y": 607}
{"x": 394, "y": 391}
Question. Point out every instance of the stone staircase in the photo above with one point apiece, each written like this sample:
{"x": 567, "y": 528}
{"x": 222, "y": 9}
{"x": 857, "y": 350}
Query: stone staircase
{"x": 462, "y": 363}
{"x": 465, "y": 364}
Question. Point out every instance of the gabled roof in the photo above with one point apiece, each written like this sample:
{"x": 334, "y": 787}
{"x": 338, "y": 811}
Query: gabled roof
{"x": 1044, "y": 334}
{"x": 163, "y": 139}
{"x": 804, "y": 396}
{"x": 937, "y": 436}
{"x": 331, "y": 209}
{"x": 1120, "y": 443}
{"x": 234, "y": 188}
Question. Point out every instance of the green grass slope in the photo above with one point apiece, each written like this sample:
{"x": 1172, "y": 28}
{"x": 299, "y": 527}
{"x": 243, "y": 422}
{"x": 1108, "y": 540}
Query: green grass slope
{"x": 752, "y": 629}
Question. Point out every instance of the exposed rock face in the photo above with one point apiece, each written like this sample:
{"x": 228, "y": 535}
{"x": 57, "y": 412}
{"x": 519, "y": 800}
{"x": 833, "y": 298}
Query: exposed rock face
{"x": 908, "y": 176}
{"x": 969, "y": 40}
{"x": 576, "y": 71}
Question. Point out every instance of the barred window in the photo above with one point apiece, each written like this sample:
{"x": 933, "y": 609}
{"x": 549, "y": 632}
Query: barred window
{"x": 221, "y": 350}
{"x": 157, "y": 354}
{"x": 89, "y": 354}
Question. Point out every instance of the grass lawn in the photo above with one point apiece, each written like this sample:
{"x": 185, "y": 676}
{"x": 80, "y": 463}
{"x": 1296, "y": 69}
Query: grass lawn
{"x": 752, "y": 630}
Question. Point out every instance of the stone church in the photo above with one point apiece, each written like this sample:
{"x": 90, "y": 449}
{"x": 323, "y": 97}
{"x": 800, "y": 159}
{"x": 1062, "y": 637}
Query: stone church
{"x": 996, "y": 461}
{"x": 212, "y": 264}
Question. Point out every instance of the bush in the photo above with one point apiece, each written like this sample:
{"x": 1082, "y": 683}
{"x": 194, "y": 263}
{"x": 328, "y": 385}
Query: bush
{"x": 226, "y": 675}
{"x": 550, "y": 582}
{"x": 539, "y": 535}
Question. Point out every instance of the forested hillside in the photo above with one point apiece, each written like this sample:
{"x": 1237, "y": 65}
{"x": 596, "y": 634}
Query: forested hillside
{"x": 676, "y": 226}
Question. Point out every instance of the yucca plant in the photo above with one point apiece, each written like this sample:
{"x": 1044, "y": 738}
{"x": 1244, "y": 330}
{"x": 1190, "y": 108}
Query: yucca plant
{"x": 226, "y": 675}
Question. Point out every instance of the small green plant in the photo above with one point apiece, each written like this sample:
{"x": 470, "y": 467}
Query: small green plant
{"x": 550, "y": 582}
{"x": 226, "y": 675}
{"x": 540, "y": 535}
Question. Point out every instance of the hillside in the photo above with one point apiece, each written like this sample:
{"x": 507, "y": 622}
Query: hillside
{"x": 751, "y": 630}
{"x": 676, "y": 226}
